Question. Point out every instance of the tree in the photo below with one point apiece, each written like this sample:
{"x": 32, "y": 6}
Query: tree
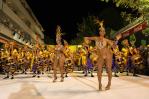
{"x": 48, "y": 40}
{"x": 88, "y": 26}
{"x": 112, "y": 33}
{"x": 146, "y": 32}
{"x": 76, "y": 41}
{"x": 141, "y": 6}
{"x": 128, "y": 18}
{"x": 132, "y": 39}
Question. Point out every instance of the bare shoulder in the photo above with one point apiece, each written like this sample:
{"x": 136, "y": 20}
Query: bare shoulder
{"x": 95, "y": 38}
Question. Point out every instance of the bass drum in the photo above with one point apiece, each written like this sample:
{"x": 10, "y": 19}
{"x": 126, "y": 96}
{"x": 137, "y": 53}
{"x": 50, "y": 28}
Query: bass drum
{"x": 137, "y": 61}
{"x": 120, "y": 61}
{"x": 68, "y": 65}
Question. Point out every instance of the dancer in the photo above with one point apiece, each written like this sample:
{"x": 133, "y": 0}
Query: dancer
{"x": 59, "y": 56}
{"x": 88, "y": 65}
{"x": 136, "y": 61}
{"x": 127, "y": 53}
{"x": 105, "y": 54}
{"x": 116, "y": 61}
{"x": 5, "y": 56}
{"x": 68, "y": 65}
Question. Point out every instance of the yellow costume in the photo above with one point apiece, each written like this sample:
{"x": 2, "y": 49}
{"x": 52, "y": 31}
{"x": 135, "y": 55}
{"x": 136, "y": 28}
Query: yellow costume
{"x": 125, "y": 52}
{"x": 83, "y": 57}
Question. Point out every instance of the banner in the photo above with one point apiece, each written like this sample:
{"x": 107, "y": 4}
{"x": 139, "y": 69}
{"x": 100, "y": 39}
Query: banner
{"x": 134, "y": 29}
{"x": 3, "y": 40}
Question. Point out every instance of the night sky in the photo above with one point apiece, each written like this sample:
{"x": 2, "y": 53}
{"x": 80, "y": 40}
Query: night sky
{"x": 67, "y": 13}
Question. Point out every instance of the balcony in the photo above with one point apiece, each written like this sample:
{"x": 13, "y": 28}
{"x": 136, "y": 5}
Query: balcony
{"x": 23, "y": 11}
{"x": 17, "y": 20}
{"x": 6, "y": 31}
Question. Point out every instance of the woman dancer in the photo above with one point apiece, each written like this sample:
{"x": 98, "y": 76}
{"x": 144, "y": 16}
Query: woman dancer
{"x": 59, "y": 56}
{"x": 105, "y": 54}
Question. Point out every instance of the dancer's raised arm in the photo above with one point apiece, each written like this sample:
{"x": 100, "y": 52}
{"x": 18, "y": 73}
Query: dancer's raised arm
{"x": 90, "y": 38}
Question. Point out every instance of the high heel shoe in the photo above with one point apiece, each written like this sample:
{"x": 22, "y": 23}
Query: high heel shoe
{"x": 62, "y": 79}
{"x": 55, "y": 79}
{"x": 108, "y": 86}
{"x": 100, "y": 87}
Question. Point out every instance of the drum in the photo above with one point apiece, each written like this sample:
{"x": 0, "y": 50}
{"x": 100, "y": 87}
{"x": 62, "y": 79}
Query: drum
{"x": 68, "y": 65}
{"x": 119, "y": 60}
{"x": 137, "y": 60}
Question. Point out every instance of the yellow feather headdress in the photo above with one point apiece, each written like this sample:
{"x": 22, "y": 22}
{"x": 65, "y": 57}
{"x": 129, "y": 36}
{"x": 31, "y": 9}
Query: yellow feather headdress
{"x": 58, "y": 34}
{"x": 100, "y": 23}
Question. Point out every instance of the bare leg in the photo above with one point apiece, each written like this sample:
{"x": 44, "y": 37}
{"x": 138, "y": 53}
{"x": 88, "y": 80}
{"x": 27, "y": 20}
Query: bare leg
{"x": 62, "y": 68}
{"x": 109, "y": 77}
{"x": 54, "y": 69}
{"x": 109, "y": 71}
{"x": 99, "y": 73}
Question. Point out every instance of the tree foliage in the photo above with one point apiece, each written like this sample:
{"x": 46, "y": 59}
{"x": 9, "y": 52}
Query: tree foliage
{"x": 88, "y": 26}
{"x": 146, "y": 32}
{"x": 141, "y": 5}
{"x": 128, "y": 17}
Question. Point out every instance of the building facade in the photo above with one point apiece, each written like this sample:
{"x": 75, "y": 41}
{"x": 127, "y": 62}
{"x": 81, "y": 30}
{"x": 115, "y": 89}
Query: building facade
{"x": 19, "y": 24}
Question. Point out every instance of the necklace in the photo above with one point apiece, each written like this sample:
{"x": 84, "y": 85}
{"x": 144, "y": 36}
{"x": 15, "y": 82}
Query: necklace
{"x": 100, "y": 43}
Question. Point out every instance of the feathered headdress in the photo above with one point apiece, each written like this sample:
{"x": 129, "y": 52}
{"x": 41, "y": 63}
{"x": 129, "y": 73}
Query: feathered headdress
{"x": 100, "y": 23}
{"x": 58, "y": 34}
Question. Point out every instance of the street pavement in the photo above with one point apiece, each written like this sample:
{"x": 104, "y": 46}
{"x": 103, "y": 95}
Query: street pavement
{"x": 76, "y": 86}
